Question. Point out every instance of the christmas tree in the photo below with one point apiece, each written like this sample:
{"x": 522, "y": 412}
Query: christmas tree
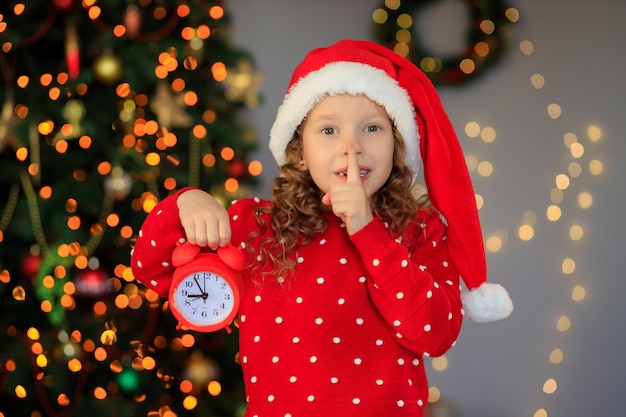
{"x": 108, "y": 107}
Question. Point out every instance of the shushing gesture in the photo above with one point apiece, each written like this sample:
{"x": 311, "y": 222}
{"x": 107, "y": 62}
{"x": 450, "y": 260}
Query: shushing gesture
{"x": 347, "y": 196}
{"x": 204, "y": 219}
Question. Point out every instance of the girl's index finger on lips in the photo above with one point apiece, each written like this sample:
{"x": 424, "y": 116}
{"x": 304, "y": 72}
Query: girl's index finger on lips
{"x": 353, "y": 173}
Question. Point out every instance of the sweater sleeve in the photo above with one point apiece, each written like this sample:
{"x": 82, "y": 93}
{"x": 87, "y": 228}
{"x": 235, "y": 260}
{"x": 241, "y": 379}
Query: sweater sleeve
{"x": 418, "y": 294}
{"x": 151, "y": 256}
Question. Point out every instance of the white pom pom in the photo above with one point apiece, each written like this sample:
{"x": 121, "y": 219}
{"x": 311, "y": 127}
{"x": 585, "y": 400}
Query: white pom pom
{"x": 488, "y": 302}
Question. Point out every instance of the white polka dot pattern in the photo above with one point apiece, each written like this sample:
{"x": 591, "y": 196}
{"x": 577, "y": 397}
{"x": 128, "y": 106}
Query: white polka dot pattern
{"x": 347, "y": 331}
{"x": 335, "y": 347}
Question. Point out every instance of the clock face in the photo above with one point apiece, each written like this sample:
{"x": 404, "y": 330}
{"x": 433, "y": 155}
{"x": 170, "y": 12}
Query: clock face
{"x": 204, "y": 298}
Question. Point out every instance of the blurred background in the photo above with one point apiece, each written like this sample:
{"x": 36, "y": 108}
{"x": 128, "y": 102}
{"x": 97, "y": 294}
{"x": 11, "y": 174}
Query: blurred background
{"x": 109, "y": 106}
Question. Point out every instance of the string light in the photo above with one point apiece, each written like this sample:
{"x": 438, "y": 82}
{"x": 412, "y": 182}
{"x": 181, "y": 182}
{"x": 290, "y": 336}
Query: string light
{"x": 563, "y": 183}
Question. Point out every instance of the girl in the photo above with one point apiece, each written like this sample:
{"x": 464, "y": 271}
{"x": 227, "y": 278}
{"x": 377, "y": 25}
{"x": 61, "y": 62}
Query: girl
{"x": 351, "y": 277}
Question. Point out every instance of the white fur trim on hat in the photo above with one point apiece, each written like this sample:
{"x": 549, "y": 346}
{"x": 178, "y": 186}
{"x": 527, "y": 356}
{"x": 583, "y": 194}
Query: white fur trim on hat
{"x": 352, "y": 78}
{"x": 487, "y": 302}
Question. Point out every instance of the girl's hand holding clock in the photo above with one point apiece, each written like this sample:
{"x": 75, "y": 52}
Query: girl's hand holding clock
{"x": 205, "y": 220}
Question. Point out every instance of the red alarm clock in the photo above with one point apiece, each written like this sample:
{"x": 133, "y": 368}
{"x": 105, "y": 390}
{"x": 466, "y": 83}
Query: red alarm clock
{"x": 206, "y": 287}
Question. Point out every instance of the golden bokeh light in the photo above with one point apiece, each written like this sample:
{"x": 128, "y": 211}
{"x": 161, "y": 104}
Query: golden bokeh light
{"x": 562, "y": 181}
{"x": 404, "y": 21}
{"x": 585, "y": 200}
{"x": 537, "y": 81}
{"x": 190, "y": 402}
{"x": 472, "y": 129}
{"x": 554, "y": 111}
{"x": 568, "y": 266}
{"x": 99, "y": 393}
{"x": 556, "y": 196}
{"x": 595, "y": 167}
{"x": 480, "y": 201}
{"x": 434, "y": 394}
{"x": 563, "y": 324}
{"x": 594, "y": 133}
{"x": 493, "y": 244}
{"x": 569, "y": 139}
{"x": 578, "y": 293}
{"x": 255, "y": 168}
{"x": 20, "y": 391}
{"x": 467, "y": 66}
{"x": 485, "y": 169}
{"x": 549, "y": 387}
{"x": 471, "y": 161}
{"x": 556, "y": 356}
{"x": 526, "y": 232}
{"x": 231, "y": 185}
{"x": 440, "y": 363}
{"x": 214, "y": 388}
{"x": 526, "y": 47}
{"x": 488, "y": 134}
{"x": 529, "y": 217}
{"x": 392, "y": 4}
{"x": 577, "y": 150}
{"x": 574, "y": 169}
{"x": 576, "y": 232}
{"x": 487, "y": 26}
{"x": 553, "y": 213}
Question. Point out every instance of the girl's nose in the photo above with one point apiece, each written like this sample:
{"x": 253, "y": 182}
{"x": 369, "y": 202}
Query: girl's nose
{"x": 356, "y": 144}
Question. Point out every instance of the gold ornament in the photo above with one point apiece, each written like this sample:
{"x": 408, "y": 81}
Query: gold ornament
{"x": 242, "y": 83}
{"x": 7, "y": 120}
{"x": 108, "y": 337}
{"x": 170, "y": 108}
{"x": 200, "y": 369}
{"x": 118, "y": 183}
{"x": 108, "y": 68}
{"x": 73, "y": 112}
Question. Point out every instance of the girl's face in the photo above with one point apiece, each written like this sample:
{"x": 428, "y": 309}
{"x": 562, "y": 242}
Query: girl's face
{"x": 338, "y": 121}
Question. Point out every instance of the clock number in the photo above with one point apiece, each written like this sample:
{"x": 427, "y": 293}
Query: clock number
{"x": 205, "y": 297}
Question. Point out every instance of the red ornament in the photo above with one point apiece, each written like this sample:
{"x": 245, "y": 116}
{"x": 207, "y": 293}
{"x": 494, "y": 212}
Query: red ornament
{"x": 63, "y": 5}
{"x": 132, "y": 21}
{"x": 72, "y": 51}
{"x": 92, "y": 283}
{"x": 30, "y": 265}
{"x": 236, "y": 168}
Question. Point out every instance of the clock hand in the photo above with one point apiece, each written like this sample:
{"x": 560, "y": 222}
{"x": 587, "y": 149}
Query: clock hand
{"x": 198, "y": 284}
{"x": 205, "y": 294}
{"x": 195, "y": 295}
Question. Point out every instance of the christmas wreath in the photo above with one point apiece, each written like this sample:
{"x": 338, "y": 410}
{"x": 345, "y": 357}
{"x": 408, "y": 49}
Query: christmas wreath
{"x": 486, "y": 40}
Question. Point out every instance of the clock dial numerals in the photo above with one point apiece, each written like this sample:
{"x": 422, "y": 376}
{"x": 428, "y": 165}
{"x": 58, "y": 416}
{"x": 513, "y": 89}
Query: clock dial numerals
{"x": 204, "y": 298}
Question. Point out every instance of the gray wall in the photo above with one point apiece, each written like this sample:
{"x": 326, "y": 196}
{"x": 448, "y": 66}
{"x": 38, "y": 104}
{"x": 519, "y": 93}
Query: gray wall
{"x": 499, "y": 369}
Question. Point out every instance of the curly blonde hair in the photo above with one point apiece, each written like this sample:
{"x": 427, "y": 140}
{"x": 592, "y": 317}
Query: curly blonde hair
{"x": 297, "y": 213}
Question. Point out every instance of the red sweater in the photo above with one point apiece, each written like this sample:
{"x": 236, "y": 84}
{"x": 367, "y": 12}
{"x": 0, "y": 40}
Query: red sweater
{"x": 346, "y": 334}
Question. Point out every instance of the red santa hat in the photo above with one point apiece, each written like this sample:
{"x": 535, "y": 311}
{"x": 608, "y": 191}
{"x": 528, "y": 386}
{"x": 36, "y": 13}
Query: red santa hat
{"x": 365, "y": 68}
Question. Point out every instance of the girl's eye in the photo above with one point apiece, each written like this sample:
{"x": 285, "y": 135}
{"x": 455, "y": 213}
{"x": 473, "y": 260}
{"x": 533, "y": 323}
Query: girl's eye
{"x": 372, "y": 128}
{"x": 329, "y": 131}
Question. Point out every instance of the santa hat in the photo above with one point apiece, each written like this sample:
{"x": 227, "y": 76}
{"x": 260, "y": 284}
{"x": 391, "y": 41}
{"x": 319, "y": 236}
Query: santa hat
{"x": 361, "y": 67}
